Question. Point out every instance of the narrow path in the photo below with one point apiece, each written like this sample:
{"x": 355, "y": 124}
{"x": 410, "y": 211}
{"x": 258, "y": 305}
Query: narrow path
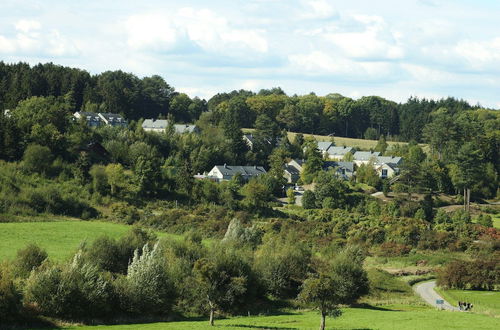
{"x": 426, "y": 291}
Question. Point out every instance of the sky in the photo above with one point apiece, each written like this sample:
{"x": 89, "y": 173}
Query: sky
{"x": 391, "y": 48}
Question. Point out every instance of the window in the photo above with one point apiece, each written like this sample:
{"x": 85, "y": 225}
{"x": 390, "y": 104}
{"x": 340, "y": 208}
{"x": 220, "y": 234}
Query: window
{"x": 384, "y": 173}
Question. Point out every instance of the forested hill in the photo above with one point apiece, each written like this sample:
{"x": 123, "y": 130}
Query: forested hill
{"x": 135, "y": 98}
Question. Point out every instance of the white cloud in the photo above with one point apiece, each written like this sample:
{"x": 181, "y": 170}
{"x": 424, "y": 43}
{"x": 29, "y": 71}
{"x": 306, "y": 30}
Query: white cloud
{"x": 480, "y": 54}
{"x": 376, "y": 41}
{"x": 27, "y": 25}
{"x": 318, "y": 9}
{"x": 151, "y": 31}
{"x": 32, "y": 40}
{"x": 202, "y": 28}
{"x": 319, "y": 63}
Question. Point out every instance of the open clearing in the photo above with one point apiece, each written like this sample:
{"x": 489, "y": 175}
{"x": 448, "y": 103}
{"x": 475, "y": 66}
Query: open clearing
{"x": 397, "y": 317}
{"x": 341, "y": 141}
{"x": 487, "y": 302}
{"x": 59, "y": 238}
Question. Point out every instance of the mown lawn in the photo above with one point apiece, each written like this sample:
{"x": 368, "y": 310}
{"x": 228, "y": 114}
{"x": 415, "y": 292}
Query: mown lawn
{"x": 59, "y": 238}
{"x": 394, "y": 317}
{"x": 341, "y": 141}
{"x": 486, "y": 302}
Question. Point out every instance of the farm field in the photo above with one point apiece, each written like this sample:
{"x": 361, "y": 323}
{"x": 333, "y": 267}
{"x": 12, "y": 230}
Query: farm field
{"x": 59, "y": 238}
{"x": 487, "y": 302}
{"x": 341, "y": 141}
{"x": 397, "y": 317}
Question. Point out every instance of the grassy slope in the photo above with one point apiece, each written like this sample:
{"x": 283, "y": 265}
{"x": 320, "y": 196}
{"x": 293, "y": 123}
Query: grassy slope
{"x": 339, "y": 141}
{"x": 487, "y": 302}
{"x": 60, "y": 238}
{"x": 398, "y": 317}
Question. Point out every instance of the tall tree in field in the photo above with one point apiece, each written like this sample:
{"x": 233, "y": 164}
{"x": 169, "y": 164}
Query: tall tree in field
{"x": 469, "y": 167}
{"x": 224, "y": 280}
{"x": 343, "y": 281}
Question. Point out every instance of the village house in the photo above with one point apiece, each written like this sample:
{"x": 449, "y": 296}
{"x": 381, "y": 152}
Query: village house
{"x": 112, "y": 119}
{"x": 344, "y": 170}
{"x": 98, "y": 119}
{"x": 160, "y": 125}
{"x": 364, "y": 157}
{"x": 338, "y": 153}
{"x": 227, "y": 172}
{"x": 93, "y": 120}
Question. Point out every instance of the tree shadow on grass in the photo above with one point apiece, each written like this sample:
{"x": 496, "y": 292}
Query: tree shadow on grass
{"x": 257, "y": 327}
{"x": 375, "y": 308}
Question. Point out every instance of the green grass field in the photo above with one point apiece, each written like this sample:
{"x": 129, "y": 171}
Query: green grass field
{"x": 392, "y": 317}
{"x": 486, "y": 302}
{"x": 59, "y": 238}
{"x": 341, "y": 141}
{"x": 496, "y": 221}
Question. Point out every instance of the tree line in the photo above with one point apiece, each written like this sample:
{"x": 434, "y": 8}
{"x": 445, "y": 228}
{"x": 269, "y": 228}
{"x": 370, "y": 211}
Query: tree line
{"x": 141, "y": 276}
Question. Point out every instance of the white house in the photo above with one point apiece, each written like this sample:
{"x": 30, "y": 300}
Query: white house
{"x": 112, "y": 119}
{"x": 338, "y": 153}
{"x": 364, "y": 157}
{"x": 386, "y": 170}
{"x": 93, "y": 119}
{"x": 160, "y": 125}
{"x": 227, "y": 172}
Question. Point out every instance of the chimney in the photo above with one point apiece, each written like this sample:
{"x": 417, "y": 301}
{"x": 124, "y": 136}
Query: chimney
{"x": 225, "y": 165}
{"x": 255, "y": 166}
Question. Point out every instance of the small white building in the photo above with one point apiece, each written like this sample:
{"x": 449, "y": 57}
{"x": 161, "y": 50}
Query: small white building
{"x": 227, "y": 172}
{"x": 338, "y": 153}
{"x": 364, "y": 157}
{"x": 160, "y": 125}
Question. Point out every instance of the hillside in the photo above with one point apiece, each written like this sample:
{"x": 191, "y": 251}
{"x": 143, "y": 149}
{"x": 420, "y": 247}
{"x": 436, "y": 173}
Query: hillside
{"x": 362, "y": 144}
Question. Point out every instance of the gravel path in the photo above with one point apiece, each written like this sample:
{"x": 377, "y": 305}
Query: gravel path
{"x": 426, "y": 291}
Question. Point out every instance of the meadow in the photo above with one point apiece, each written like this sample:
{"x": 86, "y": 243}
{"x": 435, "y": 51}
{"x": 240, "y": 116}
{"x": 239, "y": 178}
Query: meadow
{"x": 342, "y": 141}
{"x": 59, "y": 238}
{"x": 392, "y": 317}
{"x": 486, "y": 302}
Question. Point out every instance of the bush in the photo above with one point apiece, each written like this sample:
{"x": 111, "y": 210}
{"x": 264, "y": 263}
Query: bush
{"x": 391, "y": 249}
{"x": 146, "y": 289}
{"x": 476, "y": 275}
{"x": 72, "y": 291}
{"x": 37, "y": 159}
{"x": 10, "y": 297}
{"x": 29, "y": 258}
{"x": 309, "y": 200}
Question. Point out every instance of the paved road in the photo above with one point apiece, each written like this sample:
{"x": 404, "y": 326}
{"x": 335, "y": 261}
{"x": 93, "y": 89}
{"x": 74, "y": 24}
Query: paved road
{"x": 426, "y": 291}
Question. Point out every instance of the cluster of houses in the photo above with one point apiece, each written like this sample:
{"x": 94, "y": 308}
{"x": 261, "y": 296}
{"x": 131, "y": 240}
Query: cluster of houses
{"x": 100, "y": 119}
{"x": 160, "y": 125}
{"x": 386, "y": 166}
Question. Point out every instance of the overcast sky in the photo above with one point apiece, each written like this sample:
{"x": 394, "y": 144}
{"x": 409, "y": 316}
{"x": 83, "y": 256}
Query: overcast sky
{"x": 391, "y": 48}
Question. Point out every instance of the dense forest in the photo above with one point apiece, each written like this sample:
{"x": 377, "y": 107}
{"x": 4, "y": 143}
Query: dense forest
{"x": 52, "y": 164}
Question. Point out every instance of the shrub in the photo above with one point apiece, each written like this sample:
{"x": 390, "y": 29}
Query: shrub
{"x": 480, "y": 274}
{"x": 72, "y": 291}
{"x": 283, "y": 267}
{"x": 10, "y": 297}
{"x": 29, "y": 258}
{"x": 146, "y": 289}
{"x": 391, "y": 249}
{"x": 37, "y": 159}
{"x": 309, "y": 200}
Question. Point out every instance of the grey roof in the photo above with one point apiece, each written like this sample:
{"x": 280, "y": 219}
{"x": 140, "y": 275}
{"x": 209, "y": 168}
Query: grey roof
{"x": 111, "y": 116}
{"x": 249, "y": 137}
{"x": 389, "y": 160}
{"x": 243, "y": 170}
{"x": 341, "y": 151}
{"x": 156, "y": 124}
{"x": 160, "y": 124}
{"x": 365, "y": 155}
{"x": 324, "y": 145}
{"x": 183, "y": 128}
{"x": 291, "y": 169}
{"x": 347, "y": 165}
